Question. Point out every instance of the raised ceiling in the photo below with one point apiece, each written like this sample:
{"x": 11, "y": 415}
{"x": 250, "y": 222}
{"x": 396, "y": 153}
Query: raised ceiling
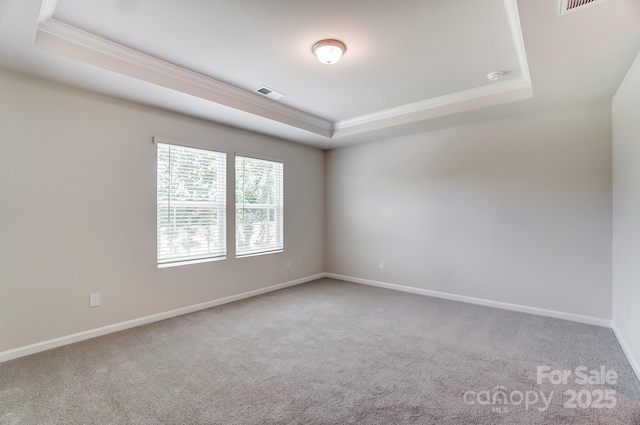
{"x": 410, "y": 66}
{"x": 425, "y": 44}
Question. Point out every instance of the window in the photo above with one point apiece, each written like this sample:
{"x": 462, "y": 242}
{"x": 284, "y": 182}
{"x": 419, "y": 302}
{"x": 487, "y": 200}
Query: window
{"x": 191, "y": 204}
{"x": 259, "y": 206}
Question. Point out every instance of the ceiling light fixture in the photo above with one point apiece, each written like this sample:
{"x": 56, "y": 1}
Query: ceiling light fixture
{"x": 329, "y": 51}
{"x": 494, "y": 76}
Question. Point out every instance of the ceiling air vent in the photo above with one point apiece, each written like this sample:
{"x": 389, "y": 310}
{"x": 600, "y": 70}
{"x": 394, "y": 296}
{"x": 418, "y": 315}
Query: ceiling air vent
{"x": 568, "y": 6}
{"x": 270, "y": 93}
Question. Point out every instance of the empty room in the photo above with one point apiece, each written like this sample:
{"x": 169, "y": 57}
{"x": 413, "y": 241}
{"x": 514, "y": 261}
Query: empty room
{"x": 319, "y": 212}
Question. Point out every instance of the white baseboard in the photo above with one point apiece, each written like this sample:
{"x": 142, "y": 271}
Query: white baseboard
{"x": 81, "y": 336}
{"x": 496, "y": 304}
{"x": 506, "y": 306}
{"x": 92, "y": 333}
{"x": 632, "y": 360}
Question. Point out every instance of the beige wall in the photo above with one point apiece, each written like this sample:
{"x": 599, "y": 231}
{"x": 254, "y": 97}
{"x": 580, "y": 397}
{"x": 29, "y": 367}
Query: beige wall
{"x": 516, "y": 211}
{"x": 77, "y": 195}
{"x": 626, "y": 211}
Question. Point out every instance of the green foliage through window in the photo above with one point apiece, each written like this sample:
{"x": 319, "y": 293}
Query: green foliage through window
{"x": 191, "y": 203}
{"x": 259, "y": 206}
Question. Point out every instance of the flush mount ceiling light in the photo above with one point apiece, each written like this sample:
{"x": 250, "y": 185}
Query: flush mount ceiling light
{"x": 329, "y": 51}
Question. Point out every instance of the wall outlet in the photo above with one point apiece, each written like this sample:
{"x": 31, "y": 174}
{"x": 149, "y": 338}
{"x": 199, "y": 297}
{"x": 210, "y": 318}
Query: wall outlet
{"x": 94, "y": 299}
{"x": 381, "y": 264}
{"x": 288, "y": 264}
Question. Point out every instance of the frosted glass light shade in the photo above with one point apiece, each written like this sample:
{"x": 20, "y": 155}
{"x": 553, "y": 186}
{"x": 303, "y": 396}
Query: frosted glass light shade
{"x": 329, "y": 51}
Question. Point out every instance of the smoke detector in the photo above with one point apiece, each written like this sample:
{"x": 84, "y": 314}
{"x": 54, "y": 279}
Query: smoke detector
{"x": 568, "y": 6}
{"x": 270, "y": 93}
{"x": 495, "y": 76}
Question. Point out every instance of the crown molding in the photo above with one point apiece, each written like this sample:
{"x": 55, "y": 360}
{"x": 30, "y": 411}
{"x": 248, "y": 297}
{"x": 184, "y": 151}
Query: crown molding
{"x": 513, "y": 17}
{"x": 489, "y": 95}
{"x": 46, "y": 10}
{"x": 67, "y": 40}
{"x": 434, "y": 103}
{"x": 479, "y": 97}
{"x": 70, "y": 41}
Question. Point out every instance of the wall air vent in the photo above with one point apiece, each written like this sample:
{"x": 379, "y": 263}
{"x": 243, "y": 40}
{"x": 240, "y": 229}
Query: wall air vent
{"x": 270, "y": 93}
{"x": 568, "y": 6}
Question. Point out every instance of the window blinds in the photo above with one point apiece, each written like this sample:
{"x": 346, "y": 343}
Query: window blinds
{"x": 191, "y": 204}
{"x": 259, "y": 206}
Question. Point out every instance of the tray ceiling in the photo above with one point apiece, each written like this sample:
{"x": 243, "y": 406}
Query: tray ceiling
{"x": 409, "y": 65}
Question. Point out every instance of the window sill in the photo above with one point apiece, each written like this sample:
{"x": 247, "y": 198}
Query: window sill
{"x": 256, "y": 254}
{"x": 187, "y": 262}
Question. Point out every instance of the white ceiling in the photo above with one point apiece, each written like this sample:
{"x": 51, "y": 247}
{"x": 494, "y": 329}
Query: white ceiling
{"x": 410, "y": 66}
{"x": 249, "y": 43}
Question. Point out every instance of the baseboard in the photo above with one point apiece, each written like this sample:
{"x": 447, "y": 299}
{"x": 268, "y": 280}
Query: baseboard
{"x": 81, "y": 336}
{"x": 495, "y": 304}
{"x": 632, "y": 360}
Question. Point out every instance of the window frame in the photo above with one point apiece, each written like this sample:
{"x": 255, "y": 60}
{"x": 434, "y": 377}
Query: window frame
{"x": 281, "y": 208}
{"x": 221, "y": 207}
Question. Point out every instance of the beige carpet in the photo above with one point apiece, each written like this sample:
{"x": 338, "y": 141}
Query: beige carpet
{"x": 327, "y": 352}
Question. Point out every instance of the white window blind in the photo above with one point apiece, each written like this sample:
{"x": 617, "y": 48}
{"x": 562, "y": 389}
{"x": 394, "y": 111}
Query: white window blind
{"x": 191, "y": 204}
{"x": 259, "y": 206}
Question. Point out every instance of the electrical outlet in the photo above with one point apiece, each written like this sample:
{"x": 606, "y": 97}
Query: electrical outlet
{"x": 381, "y": 264}
{"x": 288, "y": 264}
{"x": 94, "y": 299}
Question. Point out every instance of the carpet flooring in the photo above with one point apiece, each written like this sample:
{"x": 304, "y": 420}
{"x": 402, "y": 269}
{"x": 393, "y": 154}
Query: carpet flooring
{"x": 330, "y": 352}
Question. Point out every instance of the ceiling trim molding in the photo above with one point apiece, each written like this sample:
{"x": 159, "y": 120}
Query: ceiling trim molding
{"x": 47, "y": 9}
{"x": 435, "y": 102}
{"x": 479, "y": 97}
{"x": 488, "y": 95}
{"x": 513, "y": 17}
{"x": 70, "y": 41}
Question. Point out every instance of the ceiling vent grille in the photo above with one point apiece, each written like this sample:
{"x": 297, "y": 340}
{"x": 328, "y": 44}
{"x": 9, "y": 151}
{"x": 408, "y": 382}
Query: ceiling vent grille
{"x": 270, "y": 93}
{"x": 568, "y": 6}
